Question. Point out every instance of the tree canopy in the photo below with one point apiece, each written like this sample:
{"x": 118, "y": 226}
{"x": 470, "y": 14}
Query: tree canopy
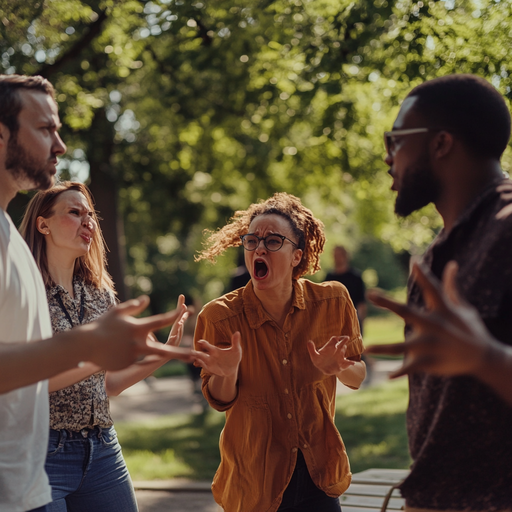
{"x": 179, "y": 113}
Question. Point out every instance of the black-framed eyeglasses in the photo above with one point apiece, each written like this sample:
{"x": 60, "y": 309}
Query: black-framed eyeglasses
{"x": 272, "y": 242}
{"x": 390, "y": 142}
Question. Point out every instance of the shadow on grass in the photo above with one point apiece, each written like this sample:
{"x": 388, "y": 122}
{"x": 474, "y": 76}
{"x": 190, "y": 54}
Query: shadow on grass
{"x": 375, "y": 441}
{"x": 371, "y": 423}
{"x": 193, "y": 439}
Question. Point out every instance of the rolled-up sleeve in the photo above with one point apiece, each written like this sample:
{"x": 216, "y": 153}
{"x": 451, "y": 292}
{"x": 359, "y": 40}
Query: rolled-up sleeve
{"x": 206, "y": 330}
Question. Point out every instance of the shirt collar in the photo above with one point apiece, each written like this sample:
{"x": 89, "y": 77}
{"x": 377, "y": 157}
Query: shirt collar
{"x": 466, "y": 215}
{"x": 254, "y": 311}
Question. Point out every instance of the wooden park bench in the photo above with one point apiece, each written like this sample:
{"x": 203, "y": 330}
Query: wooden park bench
{"x": 369, "y": 489}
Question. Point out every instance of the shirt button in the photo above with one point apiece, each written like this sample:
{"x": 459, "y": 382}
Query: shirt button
{"x": 305, "y": 445}
{"x": 286, "y": 391}
{"x": 285, "y": 361}
{"x": 289, "y": 416}
{"x": 294, "y": 450}
{"x": 286, "y": 335}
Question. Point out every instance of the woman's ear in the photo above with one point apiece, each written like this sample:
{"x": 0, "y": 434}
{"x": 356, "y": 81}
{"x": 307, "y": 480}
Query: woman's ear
{"x": 42, "y": 226}
{"x": 297, "y": 257}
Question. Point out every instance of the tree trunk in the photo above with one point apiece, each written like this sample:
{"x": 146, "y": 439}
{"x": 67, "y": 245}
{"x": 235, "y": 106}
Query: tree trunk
{"x": 100, "y": 142}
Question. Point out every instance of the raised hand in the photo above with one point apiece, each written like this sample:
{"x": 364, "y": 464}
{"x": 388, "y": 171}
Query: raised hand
{"x": 448, "y": 338}
{"x": 222, "y": 362}
{"x": 176, "y": 333}
{"x": 330, "y": 359}
{"x": 117, "y": 339}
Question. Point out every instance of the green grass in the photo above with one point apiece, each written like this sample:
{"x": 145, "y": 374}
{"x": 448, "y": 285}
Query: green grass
{"x": 372, "y": 425}
{"x": 371, "y": 422}
{"x": 387, "y": 328}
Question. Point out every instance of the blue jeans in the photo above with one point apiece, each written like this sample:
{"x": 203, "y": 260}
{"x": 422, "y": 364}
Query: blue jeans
{"x": 302, "y": 495}
{"x": 40, "y": 509}
{"x": 87, "y": 472}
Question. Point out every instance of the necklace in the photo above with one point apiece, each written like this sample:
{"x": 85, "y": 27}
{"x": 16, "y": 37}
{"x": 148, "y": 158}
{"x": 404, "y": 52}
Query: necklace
{"x": 66, "y": 312}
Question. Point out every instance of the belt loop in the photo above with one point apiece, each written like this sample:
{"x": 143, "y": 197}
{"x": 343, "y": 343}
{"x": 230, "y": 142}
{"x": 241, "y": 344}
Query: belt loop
{"x": 62, "y": 437}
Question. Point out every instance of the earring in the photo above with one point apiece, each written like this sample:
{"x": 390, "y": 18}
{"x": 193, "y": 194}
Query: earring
{"x": 47, "y": 232}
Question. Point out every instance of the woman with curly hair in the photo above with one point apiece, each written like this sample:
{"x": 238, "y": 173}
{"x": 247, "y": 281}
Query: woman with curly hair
{"x": 271, "y": 354}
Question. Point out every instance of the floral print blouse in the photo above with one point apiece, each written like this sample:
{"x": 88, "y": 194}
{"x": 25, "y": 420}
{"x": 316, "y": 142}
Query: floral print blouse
{"x": 84, "y": 404}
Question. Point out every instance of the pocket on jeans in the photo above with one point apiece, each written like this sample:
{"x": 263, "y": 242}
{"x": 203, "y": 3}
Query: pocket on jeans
{"x": 53, "y": 443}
{"x": 109, "y": 436}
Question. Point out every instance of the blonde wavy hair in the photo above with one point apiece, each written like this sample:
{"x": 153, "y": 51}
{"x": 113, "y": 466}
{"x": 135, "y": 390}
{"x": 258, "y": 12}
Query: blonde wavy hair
{"x": 92, "y": 266}
{"x": 308, "y": 230}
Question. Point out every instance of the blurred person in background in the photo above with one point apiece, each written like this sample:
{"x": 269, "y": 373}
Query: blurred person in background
{"x": 351, "y": 278}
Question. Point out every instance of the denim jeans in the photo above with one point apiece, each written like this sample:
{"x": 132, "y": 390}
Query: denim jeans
{"x": 302, "y": 495}
{"x": 40, "y": 509}
{"x": 87, "y": 472}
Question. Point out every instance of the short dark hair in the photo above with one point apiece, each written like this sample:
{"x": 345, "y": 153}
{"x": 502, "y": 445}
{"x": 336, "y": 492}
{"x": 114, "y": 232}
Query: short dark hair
{"x": 471, "y": 107}
{"x": 10, "y": 99}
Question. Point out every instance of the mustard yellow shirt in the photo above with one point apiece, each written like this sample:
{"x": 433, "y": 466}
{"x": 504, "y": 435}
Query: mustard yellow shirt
{"x": 284, "y": 403}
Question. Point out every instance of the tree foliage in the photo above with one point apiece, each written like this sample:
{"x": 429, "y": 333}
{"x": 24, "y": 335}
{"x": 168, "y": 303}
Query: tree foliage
{"x": 183, "y": 112}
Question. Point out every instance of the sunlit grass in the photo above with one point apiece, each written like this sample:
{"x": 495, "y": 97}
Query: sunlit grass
{"x": 371, "y": 422}
{"x": 372, "y": 425}
{"x": 387, "y": 328}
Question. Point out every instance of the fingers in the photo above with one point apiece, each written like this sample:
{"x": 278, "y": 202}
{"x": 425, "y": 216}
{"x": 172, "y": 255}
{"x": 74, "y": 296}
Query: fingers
{"x": 312, "y": 349}
{"x": 381, "y": 300}
{"x": 391, "y": 349}
{"x": 416, "y": 364}
{"x": 431, "y": 287}
{"x": 155, "y": 322}
{"x": 181, "y": 353}
{"x": 236, "y": 341}
{"x": 133, "y": 306}
{"x": 449, "y": 282}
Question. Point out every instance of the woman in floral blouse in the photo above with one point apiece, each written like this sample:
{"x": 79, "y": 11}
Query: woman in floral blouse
{"x": 85, "y": 465}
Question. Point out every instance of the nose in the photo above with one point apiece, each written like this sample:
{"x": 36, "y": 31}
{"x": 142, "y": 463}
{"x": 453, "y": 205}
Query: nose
{"x": 58, "y": 148}
{"x": 88, "y": 223}
{"x": 388, "y": 160}
{"x": 261, "y": 247}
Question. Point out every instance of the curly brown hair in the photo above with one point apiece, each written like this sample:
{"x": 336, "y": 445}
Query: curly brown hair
{"x": 308, "y": 229}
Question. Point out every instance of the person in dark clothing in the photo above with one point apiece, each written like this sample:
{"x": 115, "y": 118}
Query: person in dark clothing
{"x": 351, "y": 278}
{"x": 445, "y": 148}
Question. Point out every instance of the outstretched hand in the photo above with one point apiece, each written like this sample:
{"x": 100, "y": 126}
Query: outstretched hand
{"x": 223, "y": 362}
{"x": 176, "y": 333}
{"x": 330, "y": 359}
{"x": 448, "y": 338}
{"x": 117, "y": 339}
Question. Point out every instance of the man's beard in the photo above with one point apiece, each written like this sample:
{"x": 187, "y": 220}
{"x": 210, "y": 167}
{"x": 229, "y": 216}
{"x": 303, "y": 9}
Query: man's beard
{"x": 418, "y": 188}
{"x": 25, "y": 168}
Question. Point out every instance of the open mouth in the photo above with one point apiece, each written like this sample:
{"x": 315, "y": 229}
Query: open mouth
{"x": 260, "y": 269}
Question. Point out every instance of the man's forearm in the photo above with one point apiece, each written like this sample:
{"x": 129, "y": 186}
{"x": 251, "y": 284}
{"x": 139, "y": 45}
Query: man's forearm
{"x": 23, "y": 364}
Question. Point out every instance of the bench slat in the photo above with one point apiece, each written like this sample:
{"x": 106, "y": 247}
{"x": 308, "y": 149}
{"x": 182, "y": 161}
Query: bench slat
{"x": 370, "y": 501}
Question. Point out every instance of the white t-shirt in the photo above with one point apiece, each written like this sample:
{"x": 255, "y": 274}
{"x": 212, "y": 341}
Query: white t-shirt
{"x": 23, "y": 412}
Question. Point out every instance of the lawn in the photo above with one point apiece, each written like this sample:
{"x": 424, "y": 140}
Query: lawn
{"x": 371, "y": 422}
{"x": 387, "y": 328}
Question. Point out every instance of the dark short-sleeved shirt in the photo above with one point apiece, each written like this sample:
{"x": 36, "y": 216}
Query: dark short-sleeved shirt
{"x": 284, "y": 403}
{"x": 460, "y": 431}
{"x": 354, "y": 283}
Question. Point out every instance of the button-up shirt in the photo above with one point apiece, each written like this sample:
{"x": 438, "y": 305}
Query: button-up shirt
{"x": 460, "y": 431}
{"x": 284, "y": 403}
{"x": 84, "y": 404}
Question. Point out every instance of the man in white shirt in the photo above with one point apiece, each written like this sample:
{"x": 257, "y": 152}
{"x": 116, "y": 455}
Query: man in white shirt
{"x": 29, "y": 147}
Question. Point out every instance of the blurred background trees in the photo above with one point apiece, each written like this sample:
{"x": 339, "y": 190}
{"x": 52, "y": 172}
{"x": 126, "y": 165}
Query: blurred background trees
{"x": 177, "y": 113}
